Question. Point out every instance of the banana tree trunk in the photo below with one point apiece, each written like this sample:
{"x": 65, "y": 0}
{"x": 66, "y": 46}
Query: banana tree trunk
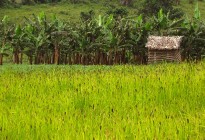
{"x": 1, "y": 59}
{"x": 82, "y": 58}
{"x": 116, "y": 61}
{"x": 110, "y": 58}
{"x": 123, "y": 56}
{"x": 69, "y": 59}
{"x": 21, "y": 58}
{"x": 56, "y": 54}
{"x": 1, "y": 55}
{"x": 16, "y": 57}
{"x": 66, "y": 59}
{"x": 30, "y": 60}
{"x": 78, "y": 58}
{"x": 101, "y": 60}
{"x": 36, "y": 61}
{"x": 96, "y": 58}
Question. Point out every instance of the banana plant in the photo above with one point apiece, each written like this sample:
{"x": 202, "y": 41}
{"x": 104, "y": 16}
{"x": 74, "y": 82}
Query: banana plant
{"x": 38, "y": 34}
{"x": 87, "y": 40}
{"x": 111, "y": 37}
{"x": 139, "y": 32}
{"x": 5, "y": 31}
{"x": 161, "y": 22}
{"x": 194, "y": 36}
{"x": 58, "y": 35}
{"x": 17, "y": 43}
{"x": 164, "y": 25}
{"x": 105, "y": 40}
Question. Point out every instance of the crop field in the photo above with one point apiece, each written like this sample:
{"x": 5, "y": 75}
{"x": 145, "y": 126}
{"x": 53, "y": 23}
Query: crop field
{"x": 102, "y": 102}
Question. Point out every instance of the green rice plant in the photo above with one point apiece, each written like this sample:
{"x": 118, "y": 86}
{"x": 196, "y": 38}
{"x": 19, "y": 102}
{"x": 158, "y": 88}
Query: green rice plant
{"x": 102, "y": 102}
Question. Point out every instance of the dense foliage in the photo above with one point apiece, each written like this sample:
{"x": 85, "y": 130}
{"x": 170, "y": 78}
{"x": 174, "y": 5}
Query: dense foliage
{"x": 151, "y": 7}
{"x": 103, "y": 40}
{"x": 3, "y": 2}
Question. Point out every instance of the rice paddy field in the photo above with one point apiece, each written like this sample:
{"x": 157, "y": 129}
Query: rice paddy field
{"x": 165, "y": 101}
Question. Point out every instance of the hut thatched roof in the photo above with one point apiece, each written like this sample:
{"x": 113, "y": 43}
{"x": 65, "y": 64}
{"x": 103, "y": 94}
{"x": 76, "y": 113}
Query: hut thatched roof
{"x": 164, "y": 42}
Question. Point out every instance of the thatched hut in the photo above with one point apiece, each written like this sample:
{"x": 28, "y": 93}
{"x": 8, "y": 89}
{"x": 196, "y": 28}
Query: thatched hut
{"x": 164, "y": 48}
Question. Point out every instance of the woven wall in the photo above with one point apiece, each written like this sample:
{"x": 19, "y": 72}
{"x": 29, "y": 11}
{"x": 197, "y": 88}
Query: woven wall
{"x": 164, "y": 55}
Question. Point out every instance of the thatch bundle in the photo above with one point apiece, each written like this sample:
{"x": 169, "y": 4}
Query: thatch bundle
{"x": 164, "y": 42}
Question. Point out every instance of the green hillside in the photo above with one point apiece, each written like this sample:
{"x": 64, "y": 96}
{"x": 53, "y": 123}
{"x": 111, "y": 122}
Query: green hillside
{"x": 72, "y": 12}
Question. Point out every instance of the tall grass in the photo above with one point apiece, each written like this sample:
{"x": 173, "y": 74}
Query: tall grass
{"x": 102, "y": 102}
